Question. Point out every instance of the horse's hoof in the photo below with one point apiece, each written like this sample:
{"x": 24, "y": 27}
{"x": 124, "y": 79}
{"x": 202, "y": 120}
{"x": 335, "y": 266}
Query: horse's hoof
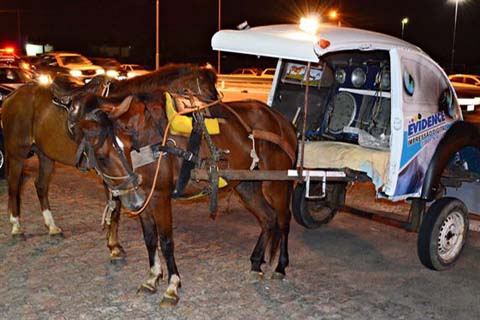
{"x": 256, "y": 276}
{"x": 55, "y": 232}
{"x": 278, "y": 276}
{"x": 146, "y": 288}
{"x": 17, "y": 231}
{"x": 117, "y": 253}
{"x": 169, "y": 301}
{"x": 19, "y": 236}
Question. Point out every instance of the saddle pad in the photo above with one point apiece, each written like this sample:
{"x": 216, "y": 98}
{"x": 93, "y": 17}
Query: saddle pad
{"x": 339, "y": 155}
{"x": 182, "y": 124}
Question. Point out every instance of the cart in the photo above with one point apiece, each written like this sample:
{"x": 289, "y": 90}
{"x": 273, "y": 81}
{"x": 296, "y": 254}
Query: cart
{"x": 371, "y": 107}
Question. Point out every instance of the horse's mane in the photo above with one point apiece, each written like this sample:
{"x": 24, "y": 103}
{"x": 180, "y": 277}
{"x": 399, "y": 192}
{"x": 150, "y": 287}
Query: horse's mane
{"x": 158, "y": 79}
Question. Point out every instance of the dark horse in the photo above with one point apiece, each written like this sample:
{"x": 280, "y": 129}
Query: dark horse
{"x": 32, "y": 122}
{"x": 141, "y": 119}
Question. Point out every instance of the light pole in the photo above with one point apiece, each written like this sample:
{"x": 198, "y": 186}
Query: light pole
{"x": 404, "y": 22}
{"x": 454, "y": 34}
{"x": 219, "y": 55}
{"x": 157, "y": 34}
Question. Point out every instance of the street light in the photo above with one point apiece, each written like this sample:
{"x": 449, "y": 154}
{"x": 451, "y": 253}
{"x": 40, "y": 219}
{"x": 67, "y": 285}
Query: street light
{"x": 333, "y": 15}
{"x": 157, "y": 36}
{"x": 404, "y": 22}
{"x": 219, "y": 54}
{"x": 454, "y": 33}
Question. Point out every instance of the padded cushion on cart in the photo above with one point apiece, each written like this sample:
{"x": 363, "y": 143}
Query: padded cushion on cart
{"x": 340, "y": 155}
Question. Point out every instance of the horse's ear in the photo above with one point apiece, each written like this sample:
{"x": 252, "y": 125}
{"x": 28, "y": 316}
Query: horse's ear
{"x": 89, "y": 125}
{"x": 210, "y": 73}
{"x": 115, "y": 111}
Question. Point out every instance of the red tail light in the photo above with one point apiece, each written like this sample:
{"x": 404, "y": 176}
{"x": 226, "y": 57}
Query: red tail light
{"x": 324, "y": 44}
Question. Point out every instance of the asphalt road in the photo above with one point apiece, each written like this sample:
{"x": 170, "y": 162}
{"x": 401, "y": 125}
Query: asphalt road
{"x": 353, "y": 268}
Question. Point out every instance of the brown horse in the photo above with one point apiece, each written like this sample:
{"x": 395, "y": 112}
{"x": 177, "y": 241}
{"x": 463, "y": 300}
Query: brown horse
{"x": 32, "y": 122}
{"x": 141, "y": 119}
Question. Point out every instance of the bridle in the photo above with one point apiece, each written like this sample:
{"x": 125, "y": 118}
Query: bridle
{"x": 86, "y": 149}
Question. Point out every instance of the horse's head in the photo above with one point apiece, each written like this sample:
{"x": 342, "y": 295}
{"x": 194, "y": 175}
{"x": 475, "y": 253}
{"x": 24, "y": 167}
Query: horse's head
{"x": 198, "y": 81}
{"x": 103, "y": 144}
{"x": 184, "y": 79}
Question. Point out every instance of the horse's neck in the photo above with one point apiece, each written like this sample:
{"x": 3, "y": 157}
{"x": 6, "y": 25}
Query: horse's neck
{"x": 153, "y": 129}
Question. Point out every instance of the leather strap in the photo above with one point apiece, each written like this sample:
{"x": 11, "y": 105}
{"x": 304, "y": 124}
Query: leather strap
{"x": 265, "y": 135}
{"x": 276, "y": 139}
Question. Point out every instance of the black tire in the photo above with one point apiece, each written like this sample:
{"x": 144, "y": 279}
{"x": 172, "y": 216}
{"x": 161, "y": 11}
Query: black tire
{"x": 2, "y": 159}
{"x": 443, "y": 234}
{"x": 312, "y": 213}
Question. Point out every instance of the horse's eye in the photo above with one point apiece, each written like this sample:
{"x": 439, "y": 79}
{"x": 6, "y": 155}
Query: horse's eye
{"x": 103, "y": 159}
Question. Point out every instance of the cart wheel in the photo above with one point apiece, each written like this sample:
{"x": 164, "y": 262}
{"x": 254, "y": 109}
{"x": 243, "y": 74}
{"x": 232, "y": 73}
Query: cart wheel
{"x": 312, "y": 213}
{"x": 443, "y": 234}
{"x": 2, "y": 160}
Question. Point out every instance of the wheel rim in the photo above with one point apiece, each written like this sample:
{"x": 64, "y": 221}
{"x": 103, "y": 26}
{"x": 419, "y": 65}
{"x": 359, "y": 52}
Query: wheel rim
{"x": 2, "y": 159}
{"x": 450, "y": 238}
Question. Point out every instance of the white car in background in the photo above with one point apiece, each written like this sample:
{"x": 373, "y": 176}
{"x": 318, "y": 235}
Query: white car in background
{"x": 134, "y": 70}
{"x": 52, "y": 64}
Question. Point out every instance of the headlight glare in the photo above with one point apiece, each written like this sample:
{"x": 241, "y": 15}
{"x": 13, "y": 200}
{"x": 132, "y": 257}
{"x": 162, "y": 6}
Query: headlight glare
{"x": 112, "y": 73}
{"x": 76, "y": 73}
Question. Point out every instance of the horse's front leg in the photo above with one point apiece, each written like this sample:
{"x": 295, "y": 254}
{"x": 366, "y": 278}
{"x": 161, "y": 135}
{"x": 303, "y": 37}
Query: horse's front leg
{"x": 116, "y": 251}
{"x": 163, "y": 219}
{"x": 151, "y": 242}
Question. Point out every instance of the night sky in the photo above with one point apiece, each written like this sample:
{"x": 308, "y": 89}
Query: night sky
{"x": 187, "y": 26}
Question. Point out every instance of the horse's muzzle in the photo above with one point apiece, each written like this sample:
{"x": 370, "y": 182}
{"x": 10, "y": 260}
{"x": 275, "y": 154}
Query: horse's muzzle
{"x": 133, "y": 200}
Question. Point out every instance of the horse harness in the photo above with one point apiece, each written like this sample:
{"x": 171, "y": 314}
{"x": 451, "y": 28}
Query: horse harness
{"x": 191, "y": 159}
{"x": 151, "y": 153}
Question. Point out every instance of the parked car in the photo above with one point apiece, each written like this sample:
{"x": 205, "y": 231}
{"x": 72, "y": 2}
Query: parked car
{"x": 466, "y": 85}
{"x": 268, "y": 73}
{"x": 247, "y": 71}
{"x": 68, "y": 63}
{"x": 14, "y": 77}
{"x": 134, "y": 70}
{"x": 112, "y": 67}
{"x": 4, "y": 92}
{"x": 8, "y": 56}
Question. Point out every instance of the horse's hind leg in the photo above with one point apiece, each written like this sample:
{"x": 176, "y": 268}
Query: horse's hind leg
{"x": 45, "y": 168}
{"x": 252, "y": 197}
{"x": 15, "y": 180}
{"x": 278, "y": 195}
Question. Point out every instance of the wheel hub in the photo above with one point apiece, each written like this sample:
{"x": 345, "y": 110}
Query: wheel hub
{"x": 451, "y": 236}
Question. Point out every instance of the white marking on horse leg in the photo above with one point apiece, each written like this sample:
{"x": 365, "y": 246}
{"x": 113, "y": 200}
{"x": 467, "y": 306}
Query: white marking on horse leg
{"x": 172, "y": 290}
{"x": 50, "y": 223}
{"x": 16, "y": 227}
{"x": 154, "y": 275}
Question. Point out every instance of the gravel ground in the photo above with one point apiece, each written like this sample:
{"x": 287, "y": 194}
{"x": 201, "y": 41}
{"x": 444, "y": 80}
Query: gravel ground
{"x": 353, "y": 268}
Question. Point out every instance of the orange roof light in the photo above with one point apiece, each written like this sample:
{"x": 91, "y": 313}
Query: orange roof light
{"x": 333, "y": 14}
{"x": 323, "y": 43}
{"x": 9, "y": 50}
